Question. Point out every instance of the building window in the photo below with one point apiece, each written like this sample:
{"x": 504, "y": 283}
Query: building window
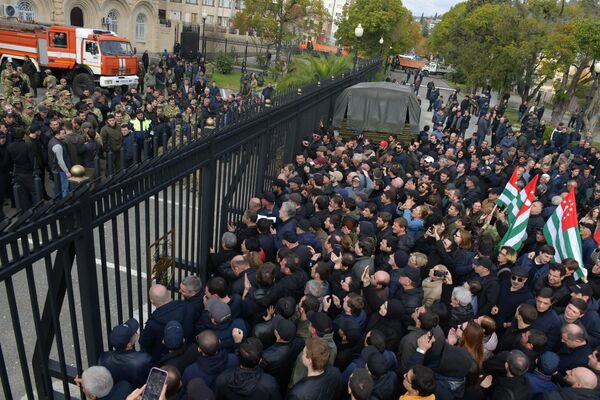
{"x": 223, "y": 21}
{"x": 194, "y": 19}
{"x": 112, "y": 21}
{"x": 208, "y": 2}
{"x": 25, "y": 11}
{"x": 210, "y": 20}
{"x": 140, "y": 28}
{"x": 225, "y": 3}
{"x": 191, "y": 1}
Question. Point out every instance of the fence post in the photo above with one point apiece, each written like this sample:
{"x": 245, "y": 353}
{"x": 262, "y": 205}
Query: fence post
{"x": 88, "y": 281}
{"x": 207, "y": 209}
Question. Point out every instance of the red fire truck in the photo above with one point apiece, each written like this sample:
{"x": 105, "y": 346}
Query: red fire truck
{"x": 85, "y": 57}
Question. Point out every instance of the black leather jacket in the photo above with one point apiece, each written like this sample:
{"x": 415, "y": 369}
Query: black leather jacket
{"x": 131, "y": 366}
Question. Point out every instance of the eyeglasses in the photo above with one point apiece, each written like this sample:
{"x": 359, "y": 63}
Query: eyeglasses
{"x": 518, "y": 278}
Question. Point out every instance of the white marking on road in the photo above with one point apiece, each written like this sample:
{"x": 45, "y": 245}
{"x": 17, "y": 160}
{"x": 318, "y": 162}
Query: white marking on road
{"x": 108, "y": 264}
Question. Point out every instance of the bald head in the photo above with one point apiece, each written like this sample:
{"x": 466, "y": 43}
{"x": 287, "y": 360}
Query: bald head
{"x": 381, "y": 278}
{"x": 254, "y": 204}
{"x": 208, "y": 343}
{"x": 159, "y": 295}
{"x": 239, "y": 264}
{"x": 582, "y": 377}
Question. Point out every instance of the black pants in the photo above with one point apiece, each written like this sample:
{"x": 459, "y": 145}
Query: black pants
{"x": 25, "y": 194}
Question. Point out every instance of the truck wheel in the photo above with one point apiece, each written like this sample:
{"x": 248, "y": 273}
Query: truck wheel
{"x": 82, "y": 81}
{"x": 425, "y": 73}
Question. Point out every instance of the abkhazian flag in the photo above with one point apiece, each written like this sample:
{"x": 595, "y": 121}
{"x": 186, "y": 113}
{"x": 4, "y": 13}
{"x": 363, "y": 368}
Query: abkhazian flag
{"x": 562, "y": 232}
{"x": 510, "y": 191}
{"x": 516, "y": 231}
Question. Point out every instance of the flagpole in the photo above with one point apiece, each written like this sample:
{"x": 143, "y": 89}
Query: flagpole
{"x": 487, "y": 222}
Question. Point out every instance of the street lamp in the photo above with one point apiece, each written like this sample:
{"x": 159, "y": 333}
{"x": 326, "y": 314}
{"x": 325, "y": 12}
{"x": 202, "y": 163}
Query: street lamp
{"x": 204, "y": 16}
{"x": 358, "y": 32}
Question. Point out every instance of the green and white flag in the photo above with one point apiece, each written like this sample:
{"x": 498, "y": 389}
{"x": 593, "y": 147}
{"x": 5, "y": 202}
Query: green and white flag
{"x": 516, "y": 231}
{"x": 510, "y": 191}
{"x": 562, "y": 232}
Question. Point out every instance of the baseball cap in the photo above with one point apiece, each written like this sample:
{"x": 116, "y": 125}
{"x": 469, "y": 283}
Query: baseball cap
{"x": 429, "y": 159}
{"x": 400, "y": 258}
{"x": 350, "y": 328}
{"x": 548, "y": 363}
{"x": 218, "y": 310}
{"x": 375, "y": 361}
{"x": 173, "y": 335}
{"x": 120, "y": 335}
{"x": 411, "y": 273}
{"x": 295, "y": 197}
{"x": 520, "y": 270}
{"x": 286, "y": 329}
{"x": 583, "y": 288}
{"x": 484, "y": 262}
{"x": 320, "y": 321}
{"x": 320, "y": 160}
{"x": 304, "y": 224}
{"x": 290, "y": 236}
{"x": 42, "y": 108}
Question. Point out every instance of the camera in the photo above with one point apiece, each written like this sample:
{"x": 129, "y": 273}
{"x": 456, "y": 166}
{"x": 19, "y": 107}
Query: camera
{"x": 440, "y": 274}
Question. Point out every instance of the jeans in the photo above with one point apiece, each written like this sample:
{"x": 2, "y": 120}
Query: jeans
{"x": 64, "y": 184}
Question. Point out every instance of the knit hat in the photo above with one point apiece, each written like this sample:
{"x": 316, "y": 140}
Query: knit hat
{"x": 548, "y": 363}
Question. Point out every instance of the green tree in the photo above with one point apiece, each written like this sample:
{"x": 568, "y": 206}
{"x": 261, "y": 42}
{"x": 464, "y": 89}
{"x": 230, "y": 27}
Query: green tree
{"x": 277, "y": 21}
{"x": 306, "y": 69}
{"x": 387, "y": 19}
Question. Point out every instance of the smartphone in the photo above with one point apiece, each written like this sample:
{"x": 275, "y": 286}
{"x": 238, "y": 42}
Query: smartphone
{"x": 154, "y": 385}
{"x": 440, "y": 274}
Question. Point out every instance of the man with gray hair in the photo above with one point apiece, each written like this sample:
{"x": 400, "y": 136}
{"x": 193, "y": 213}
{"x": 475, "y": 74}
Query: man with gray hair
{"x": 515, "y": 384}
{"x": 97, "y": 384}
{"x": 462, "y": 310}
{"x": 192, "y": 291}
{"x": 224, "y": 255}
{"x": 286, "y": 222}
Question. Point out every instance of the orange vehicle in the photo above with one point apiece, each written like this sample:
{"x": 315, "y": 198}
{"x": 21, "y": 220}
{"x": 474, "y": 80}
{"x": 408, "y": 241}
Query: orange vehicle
{"x": 322, "y": 48}
{"x": 85, "y": 57}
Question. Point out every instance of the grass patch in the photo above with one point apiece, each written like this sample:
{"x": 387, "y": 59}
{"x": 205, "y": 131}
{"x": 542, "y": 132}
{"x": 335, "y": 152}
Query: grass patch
{"x": 227, "y": 81}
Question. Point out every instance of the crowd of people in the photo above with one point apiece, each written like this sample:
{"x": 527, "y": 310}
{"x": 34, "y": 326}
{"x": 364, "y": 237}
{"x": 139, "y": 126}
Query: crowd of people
{"x": 373, "y": 271}
{"x": 173, "y": 104}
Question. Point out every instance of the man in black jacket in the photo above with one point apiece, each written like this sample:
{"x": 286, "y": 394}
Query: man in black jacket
{"x": 278, "y": 360}
{"x": 515, "y": 385}
{"x": 22, "y": 156}
{"x": 181, "y": 354}
{"x": 490, "y": 288}
{"x": 166, "y": 310}
{"x": 247, "y": 381}
{"x": 323, "y": 382}
{"x": 124, "y": 363}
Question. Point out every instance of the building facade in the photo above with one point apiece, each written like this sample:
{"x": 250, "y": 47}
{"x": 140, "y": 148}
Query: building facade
{"x": 335, "y": 9}
{"x": 151, "y": 25}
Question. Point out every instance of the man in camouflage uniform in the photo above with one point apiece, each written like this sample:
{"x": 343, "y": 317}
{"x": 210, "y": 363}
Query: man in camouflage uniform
{"x": 171, "y": 109}
{"x": 112, "y": 140}
{"x": 6, "y": 77}
{"x": 28, "y": 115}
{"x": 65, "y": 97}
{"x": 16, "y": 95}
{"x": 29, "y": 100}
{"x": 25, "y": 78}
{"x": 49, "y": 100}
{"x": 49, "y": 80}
{"x": 94, "y": 110}
{"x": 121, "y": 116}
{"x": 67, "y": 110}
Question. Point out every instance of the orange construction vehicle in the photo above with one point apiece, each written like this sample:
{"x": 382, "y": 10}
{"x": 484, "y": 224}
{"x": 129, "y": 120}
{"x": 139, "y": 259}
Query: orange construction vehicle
{"x": 85, "y": 57}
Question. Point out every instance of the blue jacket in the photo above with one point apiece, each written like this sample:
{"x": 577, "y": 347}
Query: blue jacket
{"x": 549, "y": 323}
{"x": 573, "y": 358}
{"x": 508, "y": 301}
{"x": 152, "y": 335}
{"x": 309, "y": 239}
{"x": 209, "y": 367}
{"x": 540, "y": 383}
{"x": 591, "y": 323}
{"x": 131, "y": 366}
{"x": 289, "y": 225}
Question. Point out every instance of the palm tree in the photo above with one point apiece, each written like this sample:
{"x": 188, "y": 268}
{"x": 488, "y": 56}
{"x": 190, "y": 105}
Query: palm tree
{"x": 306, "y": 69}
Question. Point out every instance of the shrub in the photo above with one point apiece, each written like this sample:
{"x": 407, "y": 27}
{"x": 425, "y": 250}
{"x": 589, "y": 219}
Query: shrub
{"x": 224, "y": 63}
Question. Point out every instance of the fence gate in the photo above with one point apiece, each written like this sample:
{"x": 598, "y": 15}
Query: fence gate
{"x": 71, "y": 269}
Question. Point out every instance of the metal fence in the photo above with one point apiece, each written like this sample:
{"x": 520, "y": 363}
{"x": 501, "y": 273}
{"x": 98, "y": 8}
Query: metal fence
{"x": 73, "y": 268}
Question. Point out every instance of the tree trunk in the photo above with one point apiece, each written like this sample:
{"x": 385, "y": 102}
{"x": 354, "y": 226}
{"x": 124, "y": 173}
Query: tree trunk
{"x": 568, "y": 91}
{"x": 591, "y": 115}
